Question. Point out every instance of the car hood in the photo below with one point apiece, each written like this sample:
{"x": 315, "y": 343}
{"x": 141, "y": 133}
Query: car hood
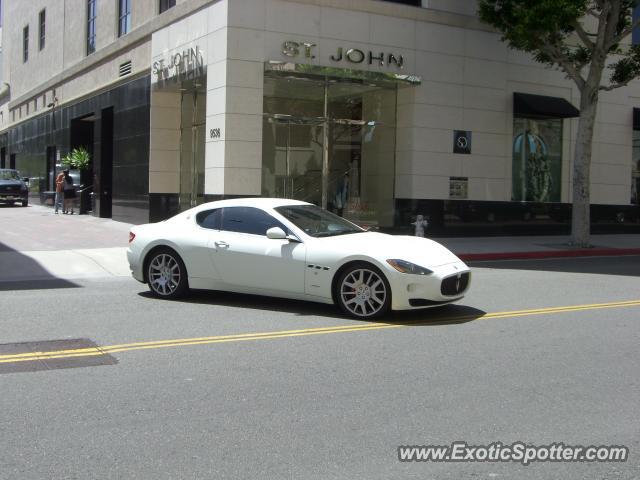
{"x": 421, "y": 251}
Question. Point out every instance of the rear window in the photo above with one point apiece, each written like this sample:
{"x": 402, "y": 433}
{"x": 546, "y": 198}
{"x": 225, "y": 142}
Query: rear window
{"x": 210, "y": 218}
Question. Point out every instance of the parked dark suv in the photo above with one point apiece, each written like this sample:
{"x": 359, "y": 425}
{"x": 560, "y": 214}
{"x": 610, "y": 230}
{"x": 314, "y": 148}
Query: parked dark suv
{"x": 12, "y": 187}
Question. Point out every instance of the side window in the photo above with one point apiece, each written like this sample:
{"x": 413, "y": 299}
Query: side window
{"x": 248, "y": 220}
{"x": 209, "y": 219}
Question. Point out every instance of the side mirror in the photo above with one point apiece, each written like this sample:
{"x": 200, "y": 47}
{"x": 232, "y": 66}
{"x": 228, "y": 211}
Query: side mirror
{"x": 276, "y": 233}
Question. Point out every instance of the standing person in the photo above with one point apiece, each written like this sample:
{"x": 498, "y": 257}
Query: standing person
{"x": 69, "y": 193}
{"x": 59, "y": 191}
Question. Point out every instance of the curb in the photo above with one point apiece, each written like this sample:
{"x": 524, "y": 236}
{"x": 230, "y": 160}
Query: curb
{"x": 592, "y": 252}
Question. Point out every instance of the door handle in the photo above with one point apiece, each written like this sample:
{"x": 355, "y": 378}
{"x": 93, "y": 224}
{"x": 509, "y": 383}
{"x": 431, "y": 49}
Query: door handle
{"x": 221, "y": 244}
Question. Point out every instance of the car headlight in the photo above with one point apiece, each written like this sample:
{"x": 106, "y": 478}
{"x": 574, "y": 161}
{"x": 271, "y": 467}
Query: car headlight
{"x": 407, "y": 267}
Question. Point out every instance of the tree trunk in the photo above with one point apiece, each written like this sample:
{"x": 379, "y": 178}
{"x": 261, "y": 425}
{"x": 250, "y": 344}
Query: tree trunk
{"x": 580, "y": 220}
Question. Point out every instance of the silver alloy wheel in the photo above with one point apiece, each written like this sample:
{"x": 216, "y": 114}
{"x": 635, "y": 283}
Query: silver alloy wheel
{"x": 164, "y": 274}
{"x": 363, "y": 293}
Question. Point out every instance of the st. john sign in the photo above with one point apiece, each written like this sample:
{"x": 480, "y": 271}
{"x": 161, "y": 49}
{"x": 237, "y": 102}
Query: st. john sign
{"x": 344, "y": 54}
{"x": 184, "y": 65}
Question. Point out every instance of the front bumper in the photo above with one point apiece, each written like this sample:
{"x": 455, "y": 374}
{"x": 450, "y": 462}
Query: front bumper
{"x": 446, "y": 284}
{"x": 13, "y": 197}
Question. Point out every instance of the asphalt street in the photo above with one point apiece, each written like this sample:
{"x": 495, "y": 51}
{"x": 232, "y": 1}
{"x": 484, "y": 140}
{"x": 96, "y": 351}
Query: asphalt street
{"x": 224, "y": 386}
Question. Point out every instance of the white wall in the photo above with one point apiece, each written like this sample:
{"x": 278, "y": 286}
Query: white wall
{"x": 468, "y": 80}
{"x": 191, "y": 32}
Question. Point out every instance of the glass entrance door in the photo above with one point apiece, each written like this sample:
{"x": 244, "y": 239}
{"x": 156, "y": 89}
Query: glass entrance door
{"x": 332, "y": 143}
{"x": 192, "y": 144}
{"x": 292, "y": 158}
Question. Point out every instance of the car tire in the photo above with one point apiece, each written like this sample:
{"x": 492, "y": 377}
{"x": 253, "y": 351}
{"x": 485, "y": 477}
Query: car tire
{"x": 166, "y": 274}
{"x": 25, "y": 203}
{"x": 362, "y": 291}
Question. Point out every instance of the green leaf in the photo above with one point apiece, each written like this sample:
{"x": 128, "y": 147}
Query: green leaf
{"x": 79, "y": 158}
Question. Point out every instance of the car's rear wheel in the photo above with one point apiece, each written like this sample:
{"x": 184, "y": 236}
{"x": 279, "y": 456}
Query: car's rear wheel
{"x": 166, "y": 274}
{"x": 363, "y": 291}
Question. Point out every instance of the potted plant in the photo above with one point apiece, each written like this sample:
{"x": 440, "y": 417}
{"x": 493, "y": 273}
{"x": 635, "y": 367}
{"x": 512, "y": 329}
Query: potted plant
{"x": 79, "y": 159}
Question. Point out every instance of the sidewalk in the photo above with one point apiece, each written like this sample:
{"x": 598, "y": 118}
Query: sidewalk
{"x": 38, "y": 228}
{"x": 536, "y": 247}
{"x": 36, "y": 244}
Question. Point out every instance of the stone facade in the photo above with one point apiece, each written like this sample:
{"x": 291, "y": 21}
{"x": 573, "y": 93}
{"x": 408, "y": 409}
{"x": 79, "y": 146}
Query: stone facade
{"x": 468, "y": 80}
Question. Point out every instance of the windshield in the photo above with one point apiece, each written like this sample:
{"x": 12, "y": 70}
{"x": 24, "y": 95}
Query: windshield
{"x": 9, "y": 175}
{"x": 316, "y": 222}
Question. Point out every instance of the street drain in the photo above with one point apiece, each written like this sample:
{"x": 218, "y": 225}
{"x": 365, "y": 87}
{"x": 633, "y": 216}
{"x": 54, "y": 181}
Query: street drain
{"x": 52, "y": 355}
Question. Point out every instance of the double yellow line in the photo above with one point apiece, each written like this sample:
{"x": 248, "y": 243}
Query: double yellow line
{"x": 96, "y": 351}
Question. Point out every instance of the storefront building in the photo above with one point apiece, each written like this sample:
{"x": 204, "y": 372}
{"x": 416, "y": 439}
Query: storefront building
{"x": 375, "y": 110}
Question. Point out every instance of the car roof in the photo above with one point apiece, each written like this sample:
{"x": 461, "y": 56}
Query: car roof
{"x": 260, "y": 202}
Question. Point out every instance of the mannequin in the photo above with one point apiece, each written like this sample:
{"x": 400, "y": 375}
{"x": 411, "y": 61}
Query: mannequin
{"x": 342, "y": 193}
{"x": 421, "y": 223}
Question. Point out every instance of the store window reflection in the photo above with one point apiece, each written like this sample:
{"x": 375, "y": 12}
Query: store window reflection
{"x": 537, "y": 160}
{"x": 332, "y": 143}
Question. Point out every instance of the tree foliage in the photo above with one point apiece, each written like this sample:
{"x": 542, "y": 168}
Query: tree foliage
{"x": 570, "y": 34}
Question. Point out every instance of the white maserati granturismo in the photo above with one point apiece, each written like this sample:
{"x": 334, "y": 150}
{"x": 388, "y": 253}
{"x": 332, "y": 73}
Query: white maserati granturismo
{"x": 292, "y": 249}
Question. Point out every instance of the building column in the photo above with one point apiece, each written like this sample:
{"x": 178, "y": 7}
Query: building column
{"x": 233, "y": 165}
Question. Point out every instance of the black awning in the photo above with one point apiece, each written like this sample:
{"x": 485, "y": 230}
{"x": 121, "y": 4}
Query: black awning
{"x": 636, "y": 118}
{"x": 540, "y": 106}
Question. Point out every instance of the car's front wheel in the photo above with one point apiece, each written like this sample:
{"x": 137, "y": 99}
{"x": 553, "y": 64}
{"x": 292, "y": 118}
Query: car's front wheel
{"x": 363, "y": 291}
{"x": 166, "y": 274}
